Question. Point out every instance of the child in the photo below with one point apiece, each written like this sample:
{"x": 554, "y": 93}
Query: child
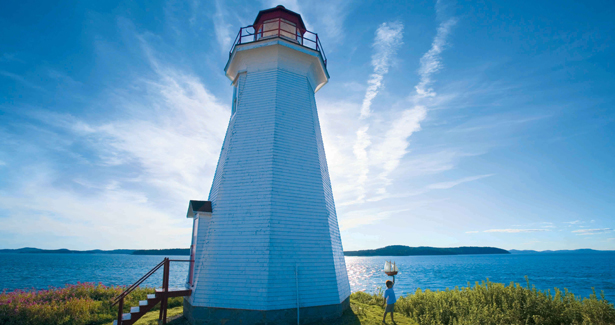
{"x": 389, "y": 298}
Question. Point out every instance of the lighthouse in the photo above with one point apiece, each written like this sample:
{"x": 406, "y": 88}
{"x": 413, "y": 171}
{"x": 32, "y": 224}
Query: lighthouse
{"x": 266, "y": 246}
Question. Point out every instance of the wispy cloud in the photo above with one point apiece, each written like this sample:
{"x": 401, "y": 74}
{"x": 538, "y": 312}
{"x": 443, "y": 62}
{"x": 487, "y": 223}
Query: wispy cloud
{"x": 430, "y": 62}
{"x": 363, "y": 217}
{"x": 494, "y": 122}
{"x": 573, "y": 222}
{"x": 10, "y": 57}
{"x": 127, "y": 218}
{"x": 451, "y": 184}
{"x": 325, "y": 17}
{"x": 395, "y": 145}
{"x": 22, "y": 80}
{"x": 386, "y": 42}
{"x": 377, "y": 157}
{"x": 588, "y": 232}
{"x": 155, "y": 151}
{"x": 514, "y": 231}
{"x": 222, "y": 27}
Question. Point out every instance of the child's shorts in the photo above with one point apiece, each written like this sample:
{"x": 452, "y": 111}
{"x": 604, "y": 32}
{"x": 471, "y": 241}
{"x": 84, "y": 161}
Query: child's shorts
{"x": 390, "y": 308}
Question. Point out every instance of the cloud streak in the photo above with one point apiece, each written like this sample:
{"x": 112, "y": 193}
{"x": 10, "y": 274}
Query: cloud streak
{"x": 589, "y": 232}
{"x": 222, "y": 28}
{"x": 143, "y": 163}
{"x": 515, "y": 231}
{"x": 451, "y": 184}
{"x": 376, "y": 158}
{"x": 387, "y": 40}
{"x": 395, "y": 145}
{"x": 430, "y": 62}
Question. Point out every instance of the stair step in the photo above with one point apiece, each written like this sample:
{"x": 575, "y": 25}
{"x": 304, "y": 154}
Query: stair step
{"x": 152, "y": 296}
{"x": 134, "y": 310}
{"x": 173, "y": 292}
{"x": 124, "y": 317}
{"x": 143, "y": 303}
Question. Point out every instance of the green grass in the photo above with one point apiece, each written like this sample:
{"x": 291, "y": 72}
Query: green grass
{"x": 484, "y": 303}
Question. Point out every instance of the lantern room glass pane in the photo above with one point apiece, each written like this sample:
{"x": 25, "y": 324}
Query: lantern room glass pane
{"x": 278, "y": 27}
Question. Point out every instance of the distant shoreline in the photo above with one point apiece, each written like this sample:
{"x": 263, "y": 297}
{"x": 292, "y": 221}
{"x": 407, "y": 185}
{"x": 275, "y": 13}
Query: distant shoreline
{"x": 395, "y": 250}
{"x": 399, "y": 250}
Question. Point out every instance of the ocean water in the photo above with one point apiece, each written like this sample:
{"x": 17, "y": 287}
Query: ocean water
{"x": 579, "y": 273}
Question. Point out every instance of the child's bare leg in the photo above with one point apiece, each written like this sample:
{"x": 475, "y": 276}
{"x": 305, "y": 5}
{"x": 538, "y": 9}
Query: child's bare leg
{"x": 392, "y": 320}
{"x": 384, "y": 317}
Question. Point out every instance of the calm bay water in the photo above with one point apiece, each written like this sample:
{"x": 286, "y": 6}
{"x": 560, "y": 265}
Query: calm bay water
{"x": 577, "y": 272}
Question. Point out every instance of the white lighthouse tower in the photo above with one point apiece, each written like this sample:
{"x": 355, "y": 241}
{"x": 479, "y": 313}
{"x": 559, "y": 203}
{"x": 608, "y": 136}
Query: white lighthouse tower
{"x": 266, "y": 246}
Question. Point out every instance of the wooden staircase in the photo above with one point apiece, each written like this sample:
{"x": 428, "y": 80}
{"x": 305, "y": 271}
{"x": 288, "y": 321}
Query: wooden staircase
{"x": 138, "y": 312}
{"x": 161, "y": 296}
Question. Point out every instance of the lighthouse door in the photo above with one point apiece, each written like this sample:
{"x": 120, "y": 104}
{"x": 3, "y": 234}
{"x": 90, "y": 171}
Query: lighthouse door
{"x": 195, "y": 228}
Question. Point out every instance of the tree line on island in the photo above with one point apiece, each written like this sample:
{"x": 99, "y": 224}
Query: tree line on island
{"x": 400, "y": 250}
{"x": 394, "y": 250}
{"x": 397, "y": 250}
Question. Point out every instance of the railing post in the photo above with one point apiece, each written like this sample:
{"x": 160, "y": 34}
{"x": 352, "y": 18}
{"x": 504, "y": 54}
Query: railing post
{"x": 162, "y": 318}
{"x": 165, "y": 286}
{"x": 120, "y": 311}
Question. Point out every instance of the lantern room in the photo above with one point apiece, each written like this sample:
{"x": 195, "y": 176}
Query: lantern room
{"x": 279, "y": 22}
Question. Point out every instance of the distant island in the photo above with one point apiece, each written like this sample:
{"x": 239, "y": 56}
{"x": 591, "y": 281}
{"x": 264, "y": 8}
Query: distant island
{"x": 400, "y": 250}
{"x": 30, "y": 250}
{"x": 395, "y": 250}
{"x": 568, "y": 251}
{"x": 171, "y": 251}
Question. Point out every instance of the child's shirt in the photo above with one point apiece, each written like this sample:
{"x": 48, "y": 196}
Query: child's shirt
{"x": 389, "y": 296}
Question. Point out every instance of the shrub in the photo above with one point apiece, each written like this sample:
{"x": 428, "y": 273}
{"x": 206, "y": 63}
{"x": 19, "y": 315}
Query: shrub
{"x": 83, "y": 303}
{"x": 496, "y": 303}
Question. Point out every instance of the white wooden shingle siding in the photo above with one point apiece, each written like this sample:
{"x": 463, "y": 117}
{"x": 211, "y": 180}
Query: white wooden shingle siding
{"x": 272, "y": 204}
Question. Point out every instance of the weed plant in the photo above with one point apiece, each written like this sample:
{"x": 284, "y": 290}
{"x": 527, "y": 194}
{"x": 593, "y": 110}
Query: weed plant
{"x": 80, "y": 304}
{"x": 496, "y": 303}
{"x": 484, "y": 303}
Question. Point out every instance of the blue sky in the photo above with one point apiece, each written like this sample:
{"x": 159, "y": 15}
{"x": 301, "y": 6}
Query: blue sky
{"x": 445, "y": 123}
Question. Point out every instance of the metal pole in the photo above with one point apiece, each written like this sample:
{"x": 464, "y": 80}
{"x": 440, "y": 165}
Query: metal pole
{"x": 297, "y": 287}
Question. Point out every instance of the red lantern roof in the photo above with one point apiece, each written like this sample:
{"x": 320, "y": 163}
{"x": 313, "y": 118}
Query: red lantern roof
{"x": 279, "y": 12}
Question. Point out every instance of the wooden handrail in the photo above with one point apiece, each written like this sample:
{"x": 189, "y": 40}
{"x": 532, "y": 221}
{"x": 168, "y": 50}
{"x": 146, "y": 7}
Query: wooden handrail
{"x": 136, "y": 284}
{"x": 165, "y": 286}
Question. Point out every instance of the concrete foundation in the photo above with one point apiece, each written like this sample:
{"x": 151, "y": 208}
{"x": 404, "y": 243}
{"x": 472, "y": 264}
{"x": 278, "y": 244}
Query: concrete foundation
{"x": 224, "y": 316}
